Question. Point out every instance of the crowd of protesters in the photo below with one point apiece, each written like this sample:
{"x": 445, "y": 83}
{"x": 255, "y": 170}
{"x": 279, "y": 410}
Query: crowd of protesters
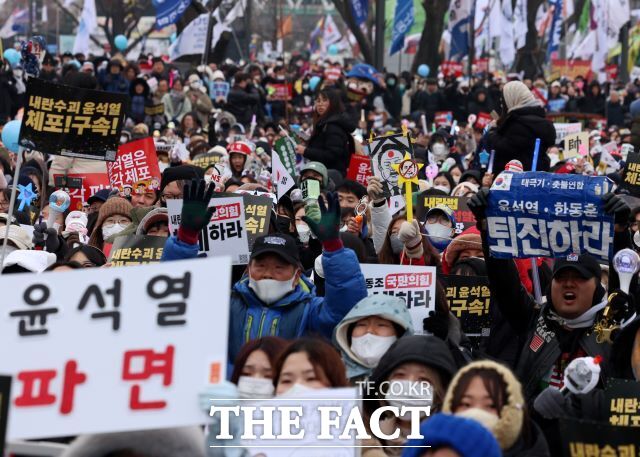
{"x": 318, "y": 328}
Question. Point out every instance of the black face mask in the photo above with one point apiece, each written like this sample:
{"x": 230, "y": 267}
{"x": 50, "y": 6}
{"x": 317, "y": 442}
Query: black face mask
{"x": 283, "y": 223}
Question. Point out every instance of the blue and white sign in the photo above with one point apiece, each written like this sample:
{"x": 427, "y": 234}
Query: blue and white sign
{"x": 169, "y": 11}
{"x": 538, "y": 214}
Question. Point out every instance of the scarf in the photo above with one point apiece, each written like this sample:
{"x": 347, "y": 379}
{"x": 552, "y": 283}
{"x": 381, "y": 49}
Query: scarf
{"x": 585, "y": 320}
{"x": 517, "y": 95}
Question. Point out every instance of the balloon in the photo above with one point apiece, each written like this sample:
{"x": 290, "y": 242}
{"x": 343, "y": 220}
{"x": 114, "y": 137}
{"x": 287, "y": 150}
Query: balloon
{"x": 423, "y": 70}
{"x": 313, "y": 82}
{"x": 10, "y": 134}
{"x": 121, "y": 42}
{"x": 333, "y": 50}
{"x": 12, "y": 56}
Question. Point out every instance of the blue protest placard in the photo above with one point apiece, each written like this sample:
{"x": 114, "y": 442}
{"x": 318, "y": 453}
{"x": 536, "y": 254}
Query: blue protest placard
{"x": 538, "y": 214}
{"x": 218, "y": 90}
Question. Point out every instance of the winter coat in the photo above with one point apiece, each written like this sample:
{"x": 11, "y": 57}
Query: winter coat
{"x": 331, "y": 142}
{"x": 113, "y": 83}
{"x": 298, "y": 313}
{"x": 615, "y": 114}
{"x": 476, "y": 106}
{"x": 424, "y": 102}
{"x": 243, "y": 104}
{"x": 537, "y": 446}
{"x": 591, "y": 104}
{"x": 515, "y": 138}
{"x": 176, "y": 111}
{"x": 202, "y": 106}
{"x": 381, "y": 306}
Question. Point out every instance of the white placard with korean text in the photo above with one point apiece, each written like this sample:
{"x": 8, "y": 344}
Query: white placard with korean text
{"x": 115, "y": 349}
{"x": 414, "y": 284}
{"x": 226, "y": 233}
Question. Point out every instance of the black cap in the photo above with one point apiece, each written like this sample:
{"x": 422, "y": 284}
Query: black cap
{"x": 585, "y": 264}
{"x": 101, "y": 196}
{"x": 282, "y": 245}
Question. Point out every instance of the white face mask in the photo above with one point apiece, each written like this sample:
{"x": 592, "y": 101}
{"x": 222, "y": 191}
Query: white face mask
{"x": 259, "y": 388}
{"x": 489, "y": 420}
{"x": 296, "y": 391}
{"x": 270, "y": 291}
{"x": 439, "y": 232}
{"x": 370, "y": 348}
{"x": 112, "y": 230}
{"x": 195, "y": 85}
{"x": 408, "y": 395}
{"x": 443, "y": 188}
{"x": 304, "y": 233}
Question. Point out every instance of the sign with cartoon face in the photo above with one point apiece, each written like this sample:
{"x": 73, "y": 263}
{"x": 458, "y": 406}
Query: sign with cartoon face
{"x": 386, "y": 152}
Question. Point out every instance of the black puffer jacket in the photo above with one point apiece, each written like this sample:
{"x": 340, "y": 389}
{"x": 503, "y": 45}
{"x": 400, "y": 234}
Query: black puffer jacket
{"x": 515, "y": 138}
{"x": 535, "y": 445}
{"x": 331, "y": 142}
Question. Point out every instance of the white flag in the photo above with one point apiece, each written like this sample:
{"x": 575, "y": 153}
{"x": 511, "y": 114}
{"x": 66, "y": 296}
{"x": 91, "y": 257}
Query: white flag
{"x": 281, "y": 177}
{"x": 194, "y": 36}
{"x": 236, "y": 12}
{"x": 507, "y": 43}
{"x": 88, "y": 23}
{"x": 17, "y": 18}
{"x": 520, "y": 23}
{"x": 495, "y": 19}
{"x": 331, "y": 33}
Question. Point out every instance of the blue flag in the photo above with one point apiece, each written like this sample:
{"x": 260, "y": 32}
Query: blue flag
{"x": 402, "y": 22}
{"x": 169, "y": 11}
{"x": 539, "y": 214}
{"x": 359, "y": 11}
{"x": 460, "y": 16}
{"x": 554, "y": 31}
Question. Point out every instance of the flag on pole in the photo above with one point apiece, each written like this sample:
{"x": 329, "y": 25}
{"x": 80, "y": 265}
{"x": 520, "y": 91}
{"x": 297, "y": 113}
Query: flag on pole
{"x": 520, "y": 25}
{"x": 459, "y": 20}
{"x": 331, "y": 34}
{"x": 507, "y": 42}
{"x": 359, "y": 11}
{"x": 282, "y": 179}
{"x": 194, "y": 36}
{"x": 554, "y": 30}
{"x": 88, "y": 23}
{"x": 315, "y": 39}
{"x": 16, "y": 23}
{"x": 402, "y": 22}
{"x": 169, "y": 11}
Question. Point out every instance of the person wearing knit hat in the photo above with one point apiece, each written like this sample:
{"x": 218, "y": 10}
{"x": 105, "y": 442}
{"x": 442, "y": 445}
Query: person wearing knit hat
{"x": 490, "y": 393}
{"x": 467, "y": 244}
{"x": 457, "y": 435}
{"x": 114, "y": 216}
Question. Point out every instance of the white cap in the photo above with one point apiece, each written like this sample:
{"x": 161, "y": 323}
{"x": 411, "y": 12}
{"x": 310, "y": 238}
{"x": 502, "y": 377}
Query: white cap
{"x": 76, "y": 217}
{"x": 34, "y": 261}
{"x": 18, "y": 236}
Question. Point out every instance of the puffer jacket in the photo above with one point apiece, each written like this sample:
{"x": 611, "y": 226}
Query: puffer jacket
{"x": 331, "y": 143}
{"x": 384, "y": 306}
{"x": 298, "y": 313}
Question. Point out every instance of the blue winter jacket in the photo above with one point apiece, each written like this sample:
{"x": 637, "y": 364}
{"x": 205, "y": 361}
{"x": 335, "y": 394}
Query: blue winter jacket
{"x": 298, "y": 313}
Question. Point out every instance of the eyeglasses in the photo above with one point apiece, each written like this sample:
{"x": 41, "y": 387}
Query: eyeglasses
{"x": 437, "y": 219}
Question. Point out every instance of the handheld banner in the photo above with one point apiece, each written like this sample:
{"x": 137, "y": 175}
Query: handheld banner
{"x": 385, "y": 152}
{"x": 136, "y": 250}
{"x": 285, "y": 148}
{"x": 219, "y": 90}
{"x": 538, "y": 214}
{"x": 462, "y": 213}
{"x": 631, "y": 175}
{"x": 575, "y": 145}
{"x": 584, "y": 438}
{"x": 359, "y": 169}
{"x": 257, "y": 212}
{"x": 127, "y": 343}
{"x": 622, "y": 402}
{"x": 226, "y": 233}
{"x": 469, "y": 299}
{"x": 72, "y": 122}
{"x": 414, "y": 284}
{"x": 136, "y": 167}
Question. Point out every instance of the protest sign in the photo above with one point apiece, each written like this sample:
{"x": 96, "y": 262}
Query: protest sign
{"x": 5, "y": 399}
{"x": 622, "y": 402}
{"x": 414, "y": 284}
{"x": 570, "y": 69}
{"x": 443, "y": 118}
{"x": 483, "y": 120}
{"x": 206, "y": 159}
{"x": 557, "y": 105}
{"x": 576, "y": 145}
{"x": 469, "y": 300}
{"x": 538, "y": 214}
{"x": 71, "y": 121}
{"x": 462, "y": 213}
{"x": 136, "y": 167}
{"x": 152, "y": 319}
{"x": 564, "y": 129}
{"x": 90, "y": 184}
{"x": 451, "y": 68}
{"x": 583, "y": 438}
{"x": 226, "y": 233}
{"x": 385, "y": 152}
{"x": 154, "y": 110}
{"x": 631, "y": 175}
{"x": 359, "y": 169}
{"x": 279, "y": 92}
{"x": 219, "y": 90}
{"x": 136, "y": 250}
{"x": 286, "y": 150}
{"x": 257, "y": 212}
{"x": 311, "y": 421}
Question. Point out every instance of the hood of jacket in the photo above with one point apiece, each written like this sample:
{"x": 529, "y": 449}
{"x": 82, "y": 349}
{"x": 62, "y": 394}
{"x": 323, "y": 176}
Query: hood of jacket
{"x": 305, "y": 290}
{"x": 139, "y": 81}
{"x": 385, "y": 306}
{"x": 427, "y": 350}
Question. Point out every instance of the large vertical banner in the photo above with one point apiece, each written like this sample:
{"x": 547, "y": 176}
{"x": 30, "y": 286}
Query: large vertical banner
{"x": 121, "y": 350}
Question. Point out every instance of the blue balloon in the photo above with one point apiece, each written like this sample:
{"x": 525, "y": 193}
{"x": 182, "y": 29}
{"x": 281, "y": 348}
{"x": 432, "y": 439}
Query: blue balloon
{"x": 333, "y": 50}
{"x": 10, "y": 135}
{"x": 313, "y": 83}
{"x": 121, "y": 42}
{"x": 12, "y": 56}
{"x": 423, "y": 70}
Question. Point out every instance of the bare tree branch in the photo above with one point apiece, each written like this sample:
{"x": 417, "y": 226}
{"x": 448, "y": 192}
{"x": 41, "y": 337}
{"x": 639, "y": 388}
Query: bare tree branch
{"x": 366, "y": 48}
{"x": 138, "y": 39}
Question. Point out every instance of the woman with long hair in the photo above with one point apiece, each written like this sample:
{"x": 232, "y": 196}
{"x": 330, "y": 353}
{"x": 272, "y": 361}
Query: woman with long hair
{"x": 331, "y": 142}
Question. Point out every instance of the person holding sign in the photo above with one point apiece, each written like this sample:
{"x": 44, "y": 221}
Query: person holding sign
{"x": 561, "y": 329}
{"x": 274, "y": 297}
{"x": 331, "y": 143}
